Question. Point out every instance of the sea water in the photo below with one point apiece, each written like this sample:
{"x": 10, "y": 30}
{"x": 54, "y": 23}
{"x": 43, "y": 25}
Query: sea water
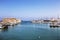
{"x": 29, "y": 31}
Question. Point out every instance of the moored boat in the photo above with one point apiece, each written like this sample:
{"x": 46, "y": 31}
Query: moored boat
{"x": 1, "y": 26}
{"x": 55, "y": 24}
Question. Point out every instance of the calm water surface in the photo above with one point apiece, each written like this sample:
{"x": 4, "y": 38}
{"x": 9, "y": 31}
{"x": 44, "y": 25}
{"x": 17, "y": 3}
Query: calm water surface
{"x": 29, "y": 31}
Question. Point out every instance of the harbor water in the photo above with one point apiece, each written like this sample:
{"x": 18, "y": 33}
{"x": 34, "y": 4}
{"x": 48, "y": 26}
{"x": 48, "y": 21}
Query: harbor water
{"x": 29, "y": 31}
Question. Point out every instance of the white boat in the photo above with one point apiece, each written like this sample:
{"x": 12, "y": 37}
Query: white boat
{"x": 55, "y": 24}
{"x": 1, "y": 26}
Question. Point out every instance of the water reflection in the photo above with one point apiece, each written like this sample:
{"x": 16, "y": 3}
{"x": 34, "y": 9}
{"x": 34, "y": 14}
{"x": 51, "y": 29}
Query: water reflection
{"x": 4, "y": 29}
{"x": 54, "y": 26}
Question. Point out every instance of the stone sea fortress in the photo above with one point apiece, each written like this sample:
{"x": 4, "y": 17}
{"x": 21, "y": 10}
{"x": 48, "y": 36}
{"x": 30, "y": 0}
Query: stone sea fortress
{"x": 9, "y": 22}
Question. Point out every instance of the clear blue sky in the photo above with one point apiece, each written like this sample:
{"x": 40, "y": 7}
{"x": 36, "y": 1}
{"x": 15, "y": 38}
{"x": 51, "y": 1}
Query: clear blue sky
{"x": 28, "y": 9}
